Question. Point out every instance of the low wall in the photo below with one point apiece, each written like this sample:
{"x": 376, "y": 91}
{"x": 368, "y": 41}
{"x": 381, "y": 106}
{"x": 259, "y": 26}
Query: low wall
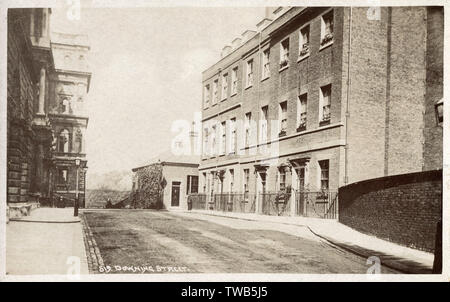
{"x": 404, "y": 209}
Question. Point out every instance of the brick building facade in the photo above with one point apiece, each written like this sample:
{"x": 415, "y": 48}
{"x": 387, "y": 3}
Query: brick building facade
{"x": 31, "y": 79}
{"x": 317, "y": 98}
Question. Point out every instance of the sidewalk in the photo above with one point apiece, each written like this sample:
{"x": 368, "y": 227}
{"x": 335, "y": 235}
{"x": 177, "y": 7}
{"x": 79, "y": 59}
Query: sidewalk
{"x": 44, "y": 242}
{"x": 403, "y": 259}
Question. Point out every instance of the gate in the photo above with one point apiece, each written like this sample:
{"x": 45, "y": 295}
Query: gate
{"x": 275, "y": 203}
{"x": 322, "y": 204}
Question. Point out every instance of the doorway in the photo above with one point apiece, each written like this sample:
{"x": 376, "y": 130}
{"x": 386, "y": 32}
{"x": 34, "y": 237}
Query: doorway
{"x": 175, "y": 201}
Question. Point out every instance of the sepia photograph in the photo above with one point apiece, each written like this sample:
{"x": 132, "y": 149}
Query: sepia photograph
{"x": 223, "y": 141}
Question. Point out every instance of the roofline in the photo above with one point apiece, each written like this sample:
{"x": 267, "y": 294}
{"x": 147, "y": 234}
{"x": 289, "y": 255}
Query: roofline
{"x": 258, "y": 32}
{"x": 167, "y": 163}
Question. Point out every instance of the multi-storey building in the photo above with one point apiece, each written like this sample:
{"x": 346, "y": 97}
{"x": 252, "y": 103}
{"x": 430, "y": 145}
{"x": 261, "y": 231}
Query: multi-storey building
{"x": 320, "y": 97}
{"x": 35, "y": 74}
{"x": 67, "y": 113}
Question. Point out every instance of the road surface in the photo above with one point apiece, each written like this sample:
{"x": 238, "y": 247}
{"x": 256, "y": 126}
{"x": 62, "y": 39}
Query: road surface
{"x": 197, "y": 243}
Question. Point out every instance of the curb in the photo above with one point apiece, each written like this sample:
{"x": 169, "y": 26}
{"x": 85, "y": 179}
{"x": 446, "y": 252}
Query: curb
{"x": 341, "y": 245}
{"x": 44, "y": 221}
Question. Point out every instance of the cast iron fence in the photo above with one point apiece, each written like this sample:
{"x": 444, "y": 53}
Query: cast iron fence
{"x": 322, "y": 204}
{"x": 276, "y": 203}
{"x": 225, "y": 202}
{"x": 198, "y": 201}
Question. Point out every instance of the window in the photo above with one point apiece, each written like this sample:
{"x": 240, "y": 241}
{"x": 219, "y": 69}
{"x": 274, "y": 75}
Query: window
{"x": 215, "y": 92}
{"x": 224, "y": 86}
{"x": 326, "y": 31}
{"x": 282, "y": 179}
{"x": 213, "y": 140}
{"x": 264, "y": 112}
{"x": 205, "y": 141}
{"x": 64, "y": 141}
{"x": 324, "y": 174}
{"x": 223, "y": 133}
{"x": 283, "y": 118}
{"x": 301, "y": 178}
{"x": 231, "y": 179}
{"x": 192, "y": 184}
{"x": 233, "y": 136}
{"x": 234, "y": 80}
{"x": 304, "y": 42}
{"x": 65, "y": 105}
{"x": 62, "y": 176}
{"x": 265, "y": 64}
{"x": 246, "y": 180}
{"x": 78, "y": 142}
{"x": 248, "y": 119}
{"x": 284, "y": 53}
{"x": 207, "y": 95}
{"x": 302, "y": 105}
{"x": 325, "y": 103}
{"x": 249, "y": 77}
{"x": 204, "y": 182}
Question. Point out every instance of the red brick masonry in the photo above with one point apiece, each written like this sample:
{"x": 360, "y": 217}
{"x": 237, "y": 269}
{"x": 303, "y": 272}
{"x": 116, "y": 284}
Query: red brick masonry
{"x": 404, "y": 209}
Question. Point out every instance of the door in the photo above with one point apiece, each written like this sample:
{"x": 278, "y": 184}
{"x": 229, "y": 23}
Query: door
{"x": 300, "y": 198}
{"x": 175, "y": 202}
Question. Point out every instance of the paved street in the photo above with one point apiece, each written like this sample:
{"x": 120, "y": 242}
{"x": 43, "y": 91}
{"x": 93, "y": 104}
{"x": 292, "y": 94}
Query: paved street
{"x": 196, "y": 243}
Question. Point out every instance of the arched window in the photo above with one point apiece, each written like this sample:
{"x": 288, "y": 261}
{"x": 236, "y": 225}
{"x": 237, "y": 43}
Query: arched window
{"x": 65, "y": 105}
{"x": 78, "y": 142}
{"x": 64, "y": 141}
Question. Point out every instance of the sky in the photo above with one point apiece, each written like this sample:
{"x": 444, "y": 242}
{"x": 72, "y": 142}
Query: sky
{"x": 146, "y": 66}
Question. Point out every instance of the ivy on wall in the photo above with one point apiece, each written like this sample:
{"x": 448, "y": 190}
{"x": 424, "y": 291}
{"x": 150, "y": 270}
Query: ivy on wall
{"x": 150, "y": 183}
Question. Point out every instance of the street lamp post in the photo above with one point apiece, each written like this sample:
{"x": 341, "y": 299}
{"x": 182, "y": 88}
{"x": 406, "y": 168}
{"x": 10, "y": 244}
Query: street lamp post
{"x": 75, "y": 208}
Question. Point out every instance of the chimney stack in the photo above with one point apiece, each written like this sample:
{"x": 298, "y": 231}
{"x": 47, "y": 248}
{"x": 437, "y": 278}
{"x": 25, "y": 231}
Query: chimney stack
{"x": 225, "y": 50}
{"x": 236, "y": 42}
{"x": 246, "y": 35}
{"x": 263, "y": 23}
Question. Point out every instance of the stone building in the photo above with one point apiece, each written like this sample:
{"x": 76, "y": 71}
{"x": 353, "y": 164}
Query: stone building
{"x": 319, "y": 97}
{"x": 31, "y": 78}
{"x": 169, "y": 178}
{"x": 67, "y": 113}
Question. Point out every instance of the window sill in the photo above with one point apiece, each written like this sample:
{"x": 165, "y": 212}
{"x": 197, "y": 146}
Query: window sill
{"x": 233, "y": 94}
{"x": 215, "y": 104}
{"x": 224, "y": 99}
{"x": 326, "y": 45}
{"x": 301, "y": 128}
{"x": 265, "y": 78}
{"x": 324, "y": 122}
{"x": 249, "y": 86}
{"x": 283, "y": 68}
{"x": 301, "y": 58}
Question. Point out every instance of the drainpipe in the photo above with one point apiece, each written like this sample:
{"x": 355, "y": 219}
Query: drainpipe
{"x": 347, "y": 112}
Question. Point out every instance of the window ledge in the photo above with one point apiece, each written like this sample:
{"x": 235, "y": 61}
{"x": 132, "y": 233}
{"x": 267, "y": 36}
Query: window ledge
{"x": 265, "y": 78}
{"x": 326, "y": 45}
{"x": 324, "y": 122}
{"x": 233, "y": 94}
{"x": 224, "y": 99}
{"x": 301, "y": 58}
{"x": 249, "y": 86}
{"x": 283, "y": 68}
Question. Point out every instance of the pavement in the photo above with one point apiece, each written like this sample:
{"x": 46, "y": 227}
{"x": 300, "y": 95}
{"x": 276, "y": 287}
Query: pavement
{"x": 48, "y": 242}
{"x": 400, "y": 258}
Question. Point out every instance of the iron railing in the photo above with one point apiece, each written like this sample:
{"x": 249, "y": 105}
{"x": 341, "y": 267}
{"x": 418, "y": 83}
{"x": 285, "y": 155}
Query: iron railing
{"x": 323, "y": 204}
{"x": 276, "y": 203}
{"x": 225, "y": 202}
{"x": 198, "y": 201}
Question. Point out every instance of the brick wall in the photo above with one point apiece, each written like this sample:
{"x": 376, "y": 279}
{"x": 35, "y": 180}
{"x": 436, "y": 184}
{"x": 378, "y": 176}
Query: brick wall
{"x": 403, "y": 208}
